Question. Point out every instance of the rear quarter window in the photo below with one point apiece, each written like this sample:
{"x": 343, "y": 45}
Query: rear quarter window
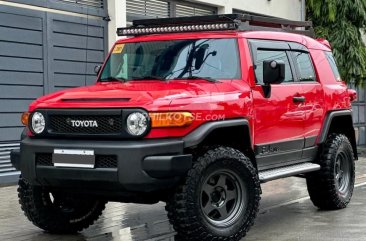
{"x": 305, "y": 66}
{"x": 333, "y": 65}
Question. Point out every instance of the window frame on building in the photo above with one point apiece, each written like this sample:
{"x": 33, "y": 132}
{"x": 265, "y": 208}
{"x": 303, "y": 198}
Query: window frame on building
{"x": 171, "y": 9}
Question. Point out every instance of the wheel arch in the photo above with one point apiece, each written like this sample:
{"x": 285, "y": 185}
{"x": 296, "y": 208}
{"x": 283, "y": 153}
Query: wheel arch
{"x": 234, "y": 133}
{"x": 339, "y": 122}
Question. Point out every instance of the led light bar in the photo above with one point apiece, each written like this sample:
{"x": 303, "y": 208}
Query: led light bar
{"x": 133, "y": 31}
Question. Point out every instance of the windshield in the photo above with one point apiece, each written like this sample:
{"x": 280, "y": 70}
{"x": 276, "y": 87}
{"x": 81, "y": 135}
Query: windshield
{"x": 177, "y": 59}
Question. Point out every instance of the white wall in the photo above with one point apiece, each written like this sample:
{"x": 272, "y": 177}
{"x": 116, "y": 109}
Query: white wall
{"x": 291, "y": 9}
{"x": 117, "y": 14}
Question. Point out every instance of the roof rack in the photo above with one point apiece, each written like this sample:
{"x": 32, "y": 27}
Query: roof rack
{"x": 240, "y": 22}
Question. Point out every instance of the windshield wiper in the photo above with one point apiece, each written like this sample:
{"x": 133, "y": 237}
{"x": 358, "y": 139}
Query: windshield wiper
{"x": 209, "y": 79}
{"x": 113, "y": 79}
{"x": 148, "y": 77}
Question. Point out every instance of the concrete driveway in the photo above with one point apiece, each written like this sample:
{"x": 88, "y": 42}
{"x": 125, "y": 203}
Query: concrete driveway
{"x": 286, "y": 214}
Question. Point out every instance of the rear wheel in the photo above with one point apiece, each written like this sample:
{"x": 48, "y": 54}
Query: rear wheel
{"x": 218, "y": 200}
{"x": 57, "y": 212}
{"x": 332, "y": 186}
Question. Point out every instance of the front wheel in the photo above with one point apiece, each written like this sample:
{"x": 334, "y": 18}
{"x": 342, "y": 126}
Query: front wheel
{"x": 57, "y": 212}
{"x": 219, "y": 198}
{"x": 332, "y": 186}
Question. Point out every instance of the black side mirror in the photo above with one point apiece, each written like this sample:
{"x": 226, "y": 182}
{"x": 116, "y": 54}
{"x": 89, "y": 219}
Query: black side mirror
{"x": 97, "y": 69}
{"x": 273, "y": 71}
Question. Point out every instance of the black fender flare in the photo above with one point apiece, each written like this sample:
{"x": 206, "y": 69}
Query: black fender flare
{"x": 328, "y": 122}
{"x": 199, "y": 134}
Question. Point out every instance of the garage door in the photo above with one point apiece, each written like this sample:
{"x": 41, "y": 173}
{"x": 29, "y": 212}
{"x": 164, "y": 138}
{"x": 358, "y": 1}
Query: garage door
{"x": 41, "y": 52}
{"x": 76, "y": 46}
{"x": 22, "y": 74}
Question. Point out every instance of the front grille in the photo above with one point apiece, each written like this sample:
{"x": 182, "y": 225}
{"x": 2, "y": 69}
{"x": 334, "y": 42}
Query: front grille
{"x": 106, "y": 124}
{"x": 44, "y": 159}
{"x": 101, "y": 161}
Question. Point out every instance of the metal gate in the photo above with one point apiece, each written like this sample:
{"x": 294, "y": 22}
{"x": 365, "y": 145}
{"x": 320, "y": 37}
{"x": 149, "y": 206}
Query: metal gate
{"x": 359, "y": 115}
{"x": 41, "y": 52}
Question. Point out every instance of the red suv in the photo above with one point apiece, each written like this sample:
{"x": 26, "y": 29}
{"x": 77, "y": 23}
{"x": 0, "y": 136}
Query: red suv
{"x": 196, "y": 112}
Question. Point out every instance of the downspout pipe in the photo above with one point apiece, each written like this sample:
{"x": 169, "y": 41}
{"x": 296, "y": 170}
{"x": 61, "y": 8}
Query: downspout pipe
{"x": 303, "y": 7}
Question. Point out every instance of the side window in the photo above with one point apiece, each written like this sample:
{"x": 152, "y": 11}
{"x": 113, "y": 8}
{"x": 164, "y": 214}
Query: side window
{"x": 305, "y": 66}
{"x": 263, "y": 55}
{"x": 333, "y": 65}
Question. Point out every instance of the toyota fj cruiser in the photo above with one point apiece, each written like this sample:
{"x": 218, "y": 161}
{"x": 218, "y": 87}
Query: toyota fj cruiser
{"x": 196, "y": 112}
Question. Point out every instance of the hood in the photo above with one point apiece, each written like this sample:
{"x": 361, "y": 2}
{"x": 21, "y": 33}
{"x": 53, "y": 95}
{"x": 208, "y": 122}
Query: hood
{"x": 133, "y": 93}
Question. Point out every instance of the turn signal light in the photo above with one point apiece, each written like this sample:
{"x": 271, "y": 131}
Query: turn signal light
{"x": 171, "y": 119}
{"x": 25, "y": 118}
{"x": 352, "y": 94}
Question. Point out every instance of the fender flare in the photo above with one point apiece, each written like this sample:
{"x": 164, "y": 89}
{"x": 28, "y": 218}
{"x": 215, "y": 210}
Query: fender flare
{"x": 328, "y": 121}
{"x": 199, "y": 134}
{"x": 326, "y": 126}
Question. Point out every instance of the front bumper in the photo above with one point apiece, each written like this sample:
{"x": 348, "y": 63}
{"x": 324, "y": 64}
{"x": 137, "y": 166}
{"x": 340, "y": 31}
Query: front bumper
{"x": 142, "y": 166}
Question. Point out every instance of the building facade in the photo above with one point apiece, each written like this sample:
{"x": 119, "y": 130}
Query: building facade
{"x": 48, "y": 45}
{"x": 122, "y": 12}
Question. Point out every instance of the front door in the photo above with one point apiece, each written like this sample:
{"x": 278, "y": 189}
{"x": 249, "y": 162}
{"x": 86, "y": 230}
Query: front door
{"x": 278, "y": 118}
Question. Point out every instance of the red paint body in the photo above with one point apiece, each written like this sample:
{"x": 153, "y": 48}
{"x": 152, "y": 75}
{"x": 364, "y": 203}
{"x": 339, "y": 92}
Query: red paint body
{"x": 272, "y": 119}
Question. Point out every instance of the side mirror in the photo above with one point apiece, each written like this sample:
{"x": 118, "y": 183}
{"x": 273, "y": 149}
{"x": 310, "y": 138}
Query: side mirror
{"x": 97, "y": 69}
{"x": 273, "y": 72}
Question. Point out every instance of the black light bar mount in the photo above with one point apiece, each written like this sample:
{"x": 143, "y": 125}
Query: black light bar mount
{"x": 240, "y": 22}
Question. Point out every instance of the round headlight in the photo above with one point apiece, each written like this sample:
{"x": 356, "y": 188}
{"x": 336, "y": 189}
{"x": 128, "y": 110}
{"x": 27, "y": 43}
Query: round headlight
{"x": 136, "y": 123}
{"x": 38, "y": 123}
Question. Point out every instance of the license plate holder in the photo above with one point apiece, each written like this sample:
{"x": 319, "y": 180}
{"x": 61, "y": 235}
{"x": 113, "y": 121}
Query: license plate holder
{"x": 73, "y": 158}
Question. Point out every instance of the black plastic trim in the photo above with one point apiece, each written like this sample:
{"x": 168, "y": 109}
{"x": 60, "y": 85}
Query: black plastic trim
{"x": 310, "y": 141}
{"x": 328, "y": 122}
{"x": 129, "y": 172}
{"x": 279, "y": 147}
{"x": 278, "y": 158}
{"x": 167, "y": 166}
{"x": 310, "y": 152}
{"x": 282, "y": 153}
{"x": 199, "y": 134}
{"x": 15, "y": 158}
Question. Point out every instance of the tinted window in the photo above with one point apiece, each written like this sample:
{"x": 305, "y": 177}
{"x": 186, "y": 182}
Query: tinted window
{"x": 263, "y": 55}
{"x": 305, "y": 66}
{"x": 215, "y": 58}
{"x": 333, "y": 65}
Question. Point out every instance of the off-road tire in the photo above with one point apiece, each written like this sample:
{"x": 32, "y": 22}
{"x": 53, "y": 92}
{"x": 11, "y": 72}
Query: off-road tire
{"x": 324, "y": 186}
{"x": 39, "y": 208}
{"x": 186, "y": 212}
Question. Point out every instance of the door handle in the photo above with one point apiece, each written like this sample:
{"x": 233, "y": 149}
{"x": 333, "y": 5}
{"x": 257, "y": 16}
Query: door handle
{"x": 299, "y": 99}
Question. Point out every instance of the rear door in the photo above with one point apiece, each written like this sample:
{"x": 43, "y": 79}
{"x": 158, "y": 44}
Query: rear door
{"x": 313, "y": 105}
{"x": 279, "y": 118}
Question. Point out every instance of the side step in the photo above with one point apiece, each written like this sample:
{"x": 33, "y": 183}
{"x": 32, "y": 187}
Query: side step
{"x": 287, "y": 171}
